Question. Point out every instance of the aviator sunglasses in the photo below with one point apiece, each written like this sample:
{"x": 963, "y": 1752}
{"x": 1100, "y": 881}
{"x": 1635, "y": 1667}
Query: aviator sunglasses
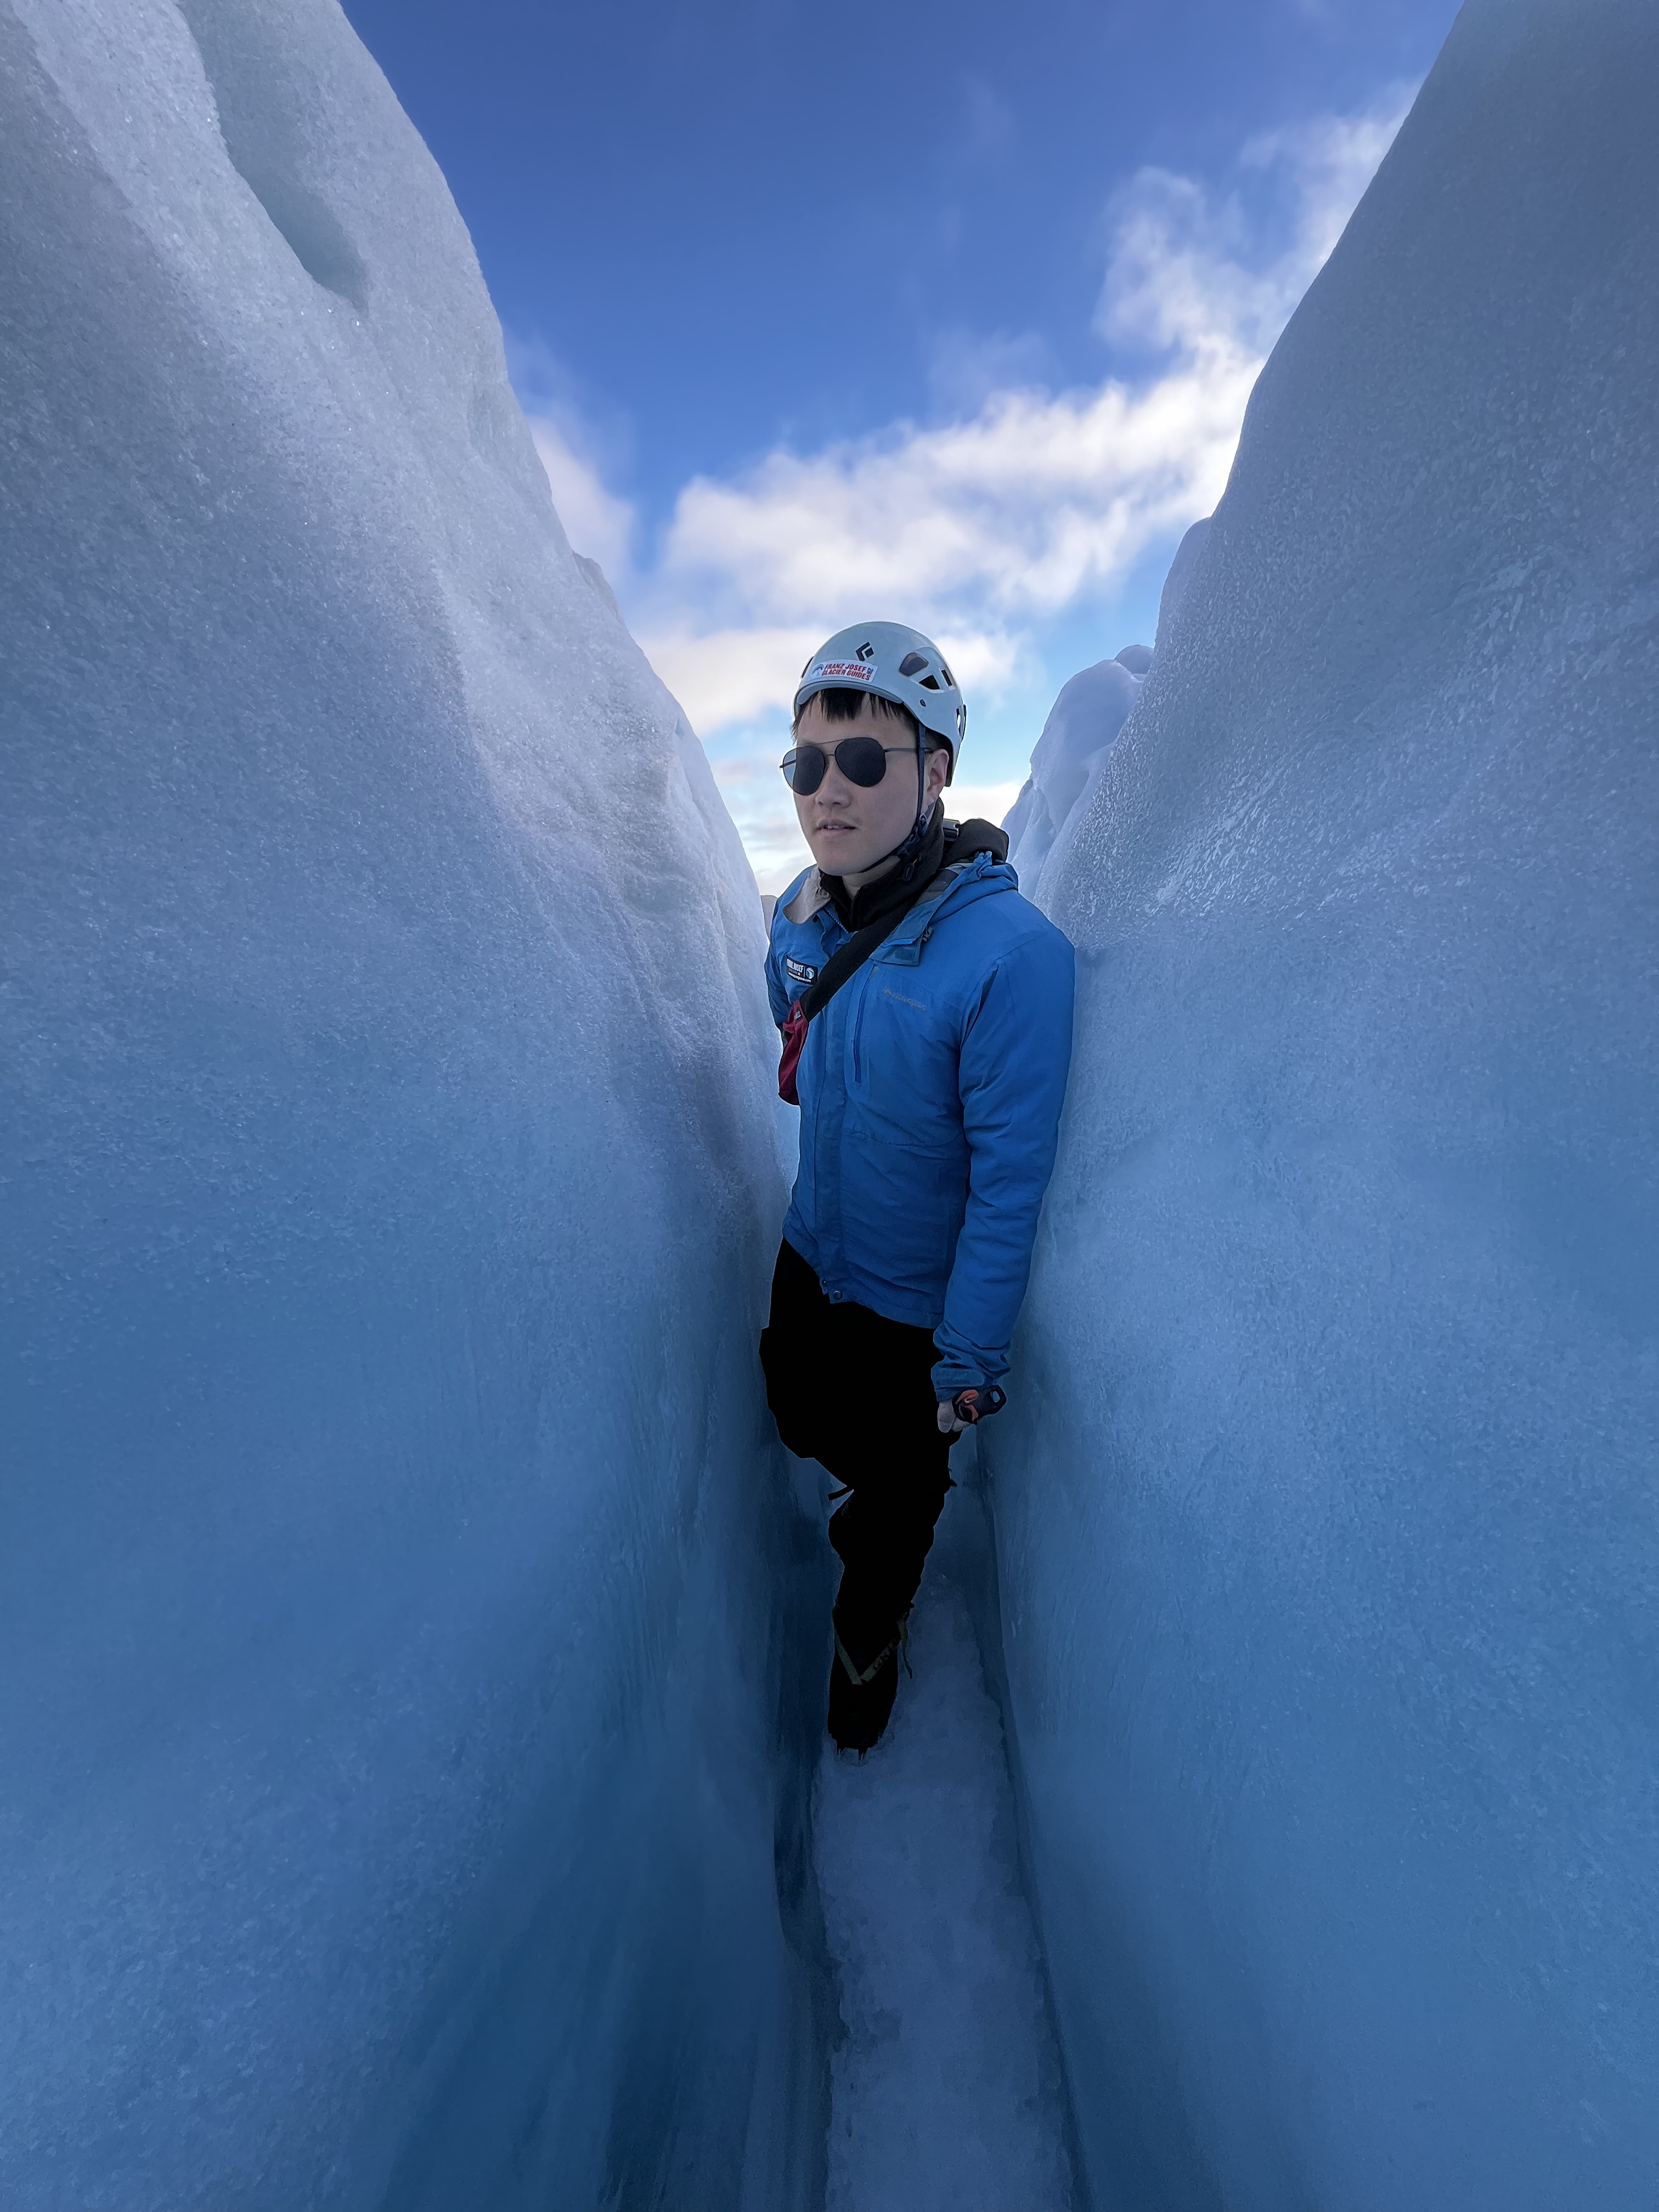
{"x": 862, "y": 761}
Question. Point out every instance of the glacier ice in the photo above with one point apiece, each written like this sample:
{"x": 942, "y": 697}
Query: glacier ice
{"x": 1083, "y": 725}
{"x": 1180, "y": 576}
{"x": 404, "y": 1755}
{"x": 1325, "y": 1502}
{"x": 410, "y": 1636}
{"x": 946, "y": 2093}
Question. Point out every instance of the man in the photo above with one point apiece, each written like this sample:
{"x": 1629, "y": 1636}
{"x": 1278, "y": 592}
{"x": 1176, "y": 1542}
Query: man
{"x": 927, "y": 1015}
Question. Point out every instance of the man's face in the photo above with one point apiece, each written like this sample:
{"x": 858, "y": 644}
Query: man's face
{"x": 848, "y": 828}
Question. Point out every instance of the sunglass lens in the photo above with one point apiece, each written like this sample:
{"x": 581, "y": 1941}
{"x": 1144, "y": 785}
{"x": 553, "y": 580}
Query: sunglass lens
{"x": 861, "y": 760}
{"x": 803, "y": 769}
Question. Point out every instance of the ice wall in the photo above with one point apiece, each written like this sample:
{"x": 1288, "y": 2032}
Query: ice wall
{"x": 1082, "y": 727}
{"x": 1325, "y": 1503}
{"x": 1180, "y": 576}
{"x": 392, "y": 1592}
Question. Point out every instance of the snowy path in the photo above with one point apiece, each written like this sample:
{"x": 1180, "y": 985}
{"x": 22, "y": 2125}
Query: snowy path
{"x": 945, "y": 2092}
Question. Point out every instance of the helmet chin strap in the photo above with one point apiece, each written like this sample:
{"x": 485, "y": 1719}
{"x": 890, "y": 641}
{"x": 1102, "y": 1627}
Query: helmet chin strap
{"x": 909, "y": 852}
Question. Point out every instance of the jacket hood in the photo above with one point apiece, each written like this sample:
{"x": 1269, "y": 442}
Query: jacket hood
{"x": 963, "y": 838}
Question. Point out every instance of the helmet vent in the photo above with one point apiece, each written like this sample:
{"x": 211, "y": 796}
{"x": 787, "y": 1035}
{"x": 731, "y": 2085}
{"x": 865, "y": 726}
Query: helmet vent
{"x": 946, "y": 674}
{"x": 928, "y": 683}
{"x": 912, "y": 662}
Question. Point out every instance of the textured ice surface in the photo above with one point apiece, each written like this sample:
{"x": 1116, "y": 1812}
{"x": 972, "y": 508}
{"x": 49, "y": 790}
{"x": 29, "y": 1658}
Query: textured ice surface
{"x": 1325, "y": 1496}
{"x": 946, "y": 2090}
{"x": 1083, "y": 725}
{"x": 392, "y": 1575}
{"x": 1180, "y": 576}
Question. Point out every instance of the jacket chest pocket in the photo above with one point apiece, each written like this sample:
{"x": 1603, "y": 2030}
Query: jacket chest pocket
{"x": 903, "y": 1053}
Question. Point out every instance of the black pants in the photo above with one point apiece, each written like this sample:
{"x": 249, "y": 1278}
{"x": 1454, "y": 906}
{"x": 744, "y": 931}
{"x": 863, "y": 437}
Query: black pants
{"x": 855, "y": 1393}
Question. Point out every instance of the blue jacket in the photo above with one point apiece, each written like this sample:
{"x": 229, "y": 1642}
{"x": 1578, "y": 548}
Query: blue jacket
{"x": 931, "y": 1087}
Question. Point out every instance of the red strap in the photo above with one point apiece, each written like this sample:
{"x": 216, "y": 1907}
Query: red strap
{"x": 794, "y": 1036}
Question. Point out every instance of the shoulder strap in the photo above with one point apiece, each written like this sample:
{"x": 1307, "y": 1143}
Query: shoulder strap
{"x": 845, "y": 962}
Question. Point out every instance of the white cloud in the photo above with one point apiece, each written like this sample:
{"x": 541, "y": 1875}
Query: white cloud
{"x": 1012, "y": 514}
{"x": 984, "y": 530}
{"x": 726, "y": 677}
{"x": 1215, "y": 280}
{"x": 1333, "y": 158}
{"x": 985, "y": 802}
{"x": 595, "y": 520}
{"x": 992, "y": 529}
{"x": 967, "y": 367}
{"x": 760, "y": 805}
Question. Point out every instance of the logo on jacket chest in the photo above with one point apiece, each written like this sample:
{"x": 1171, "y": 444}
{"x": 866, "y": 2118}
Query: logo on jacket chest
{"x": 799, "y": 971}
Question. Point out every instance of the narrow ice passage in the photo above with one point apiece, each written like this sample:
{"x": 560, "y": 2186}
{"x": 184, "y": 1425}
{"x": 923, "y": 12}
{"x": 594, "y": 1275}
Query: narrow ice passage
{"x": 945, "y": 2089}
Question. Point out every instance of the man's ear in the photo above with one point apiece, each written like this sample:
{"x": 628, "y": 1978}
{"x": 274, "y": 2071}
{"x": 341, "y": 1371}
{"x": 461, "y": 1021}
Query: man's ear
{"x": 939, "y": 762}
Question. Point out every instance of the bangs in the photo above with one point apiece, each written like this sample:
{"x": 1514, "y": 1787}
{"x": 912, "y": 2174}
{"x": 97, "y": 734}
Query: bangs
{"x": 843, "y": 702}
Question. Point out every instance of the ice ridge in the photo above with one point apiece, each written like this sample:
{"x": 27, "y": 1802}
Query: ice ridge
{"x": 1324, "y": 1500}
{"x": 405, "y": 1779}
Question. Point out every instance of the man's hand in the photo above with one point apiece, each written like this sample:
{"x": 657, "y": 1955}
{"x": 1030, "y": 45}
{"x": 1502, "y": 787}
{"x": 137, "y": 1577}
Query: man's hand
{"x": 969, "y": 1406}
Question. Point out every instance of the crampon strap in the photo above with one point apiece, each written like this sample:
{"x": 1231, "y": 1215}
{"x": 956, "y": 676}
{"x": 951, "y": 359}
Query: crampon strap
{"x": 860, "y": 1679}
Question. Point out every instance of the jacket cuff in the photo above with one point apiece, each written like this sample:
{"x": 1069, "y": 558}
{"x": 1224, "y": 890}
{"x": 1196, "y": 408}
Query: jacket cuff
{"x": 952, "y": 1374}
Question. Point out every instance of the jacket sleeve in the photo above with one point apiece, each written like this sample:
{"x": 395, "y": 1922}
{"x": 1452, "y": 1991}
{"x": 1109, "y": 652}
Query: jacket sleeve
{"x": 777, "y": 986}
{"x": 1015, "y": 1055}
{"x": 775, "y": 990}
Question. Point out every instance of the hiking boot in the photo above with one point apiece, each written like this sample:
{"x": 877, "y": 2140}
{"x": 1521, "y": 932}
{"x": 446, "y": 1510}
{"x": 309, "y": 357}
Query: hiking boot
{"x": 861, "y": 1694}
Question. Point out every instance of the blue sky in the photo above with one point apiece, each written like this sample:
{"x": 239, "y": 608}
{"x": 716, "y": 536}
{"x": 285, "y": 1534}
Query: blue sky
{"x": 942, "y": 313}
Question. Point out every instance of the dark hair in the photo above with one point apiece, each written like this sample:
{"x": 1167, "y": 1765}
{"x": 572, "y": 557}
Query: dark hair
{"x": 842, "y": 703}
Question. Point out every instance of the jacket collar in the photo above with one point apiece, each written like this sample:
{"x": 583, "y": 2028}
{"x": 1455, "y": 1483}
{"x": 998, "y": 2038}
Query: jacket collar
{"x": 968, "y": 841}
{"x": 958, "y": 884}
{"x": 966, "y": 880}
{"x": 808, "y": 899}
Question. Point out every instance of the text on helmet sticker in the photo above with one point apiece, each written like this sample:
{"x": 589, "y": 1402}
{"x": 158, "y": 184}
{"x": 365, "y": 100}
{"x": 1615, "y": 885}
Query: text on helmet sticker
{"x": 838, "y": 669}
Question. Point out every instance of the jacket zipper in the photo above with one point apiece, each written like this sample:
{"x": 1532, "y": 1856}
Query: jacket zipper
{"x": 858, "y": 1019}
{"x": 865, "y": 976}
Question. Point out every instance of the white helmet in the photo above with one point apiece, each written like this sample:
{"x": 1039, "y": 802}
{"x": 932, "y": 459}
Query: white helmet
{"x": 897, "y": 664}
